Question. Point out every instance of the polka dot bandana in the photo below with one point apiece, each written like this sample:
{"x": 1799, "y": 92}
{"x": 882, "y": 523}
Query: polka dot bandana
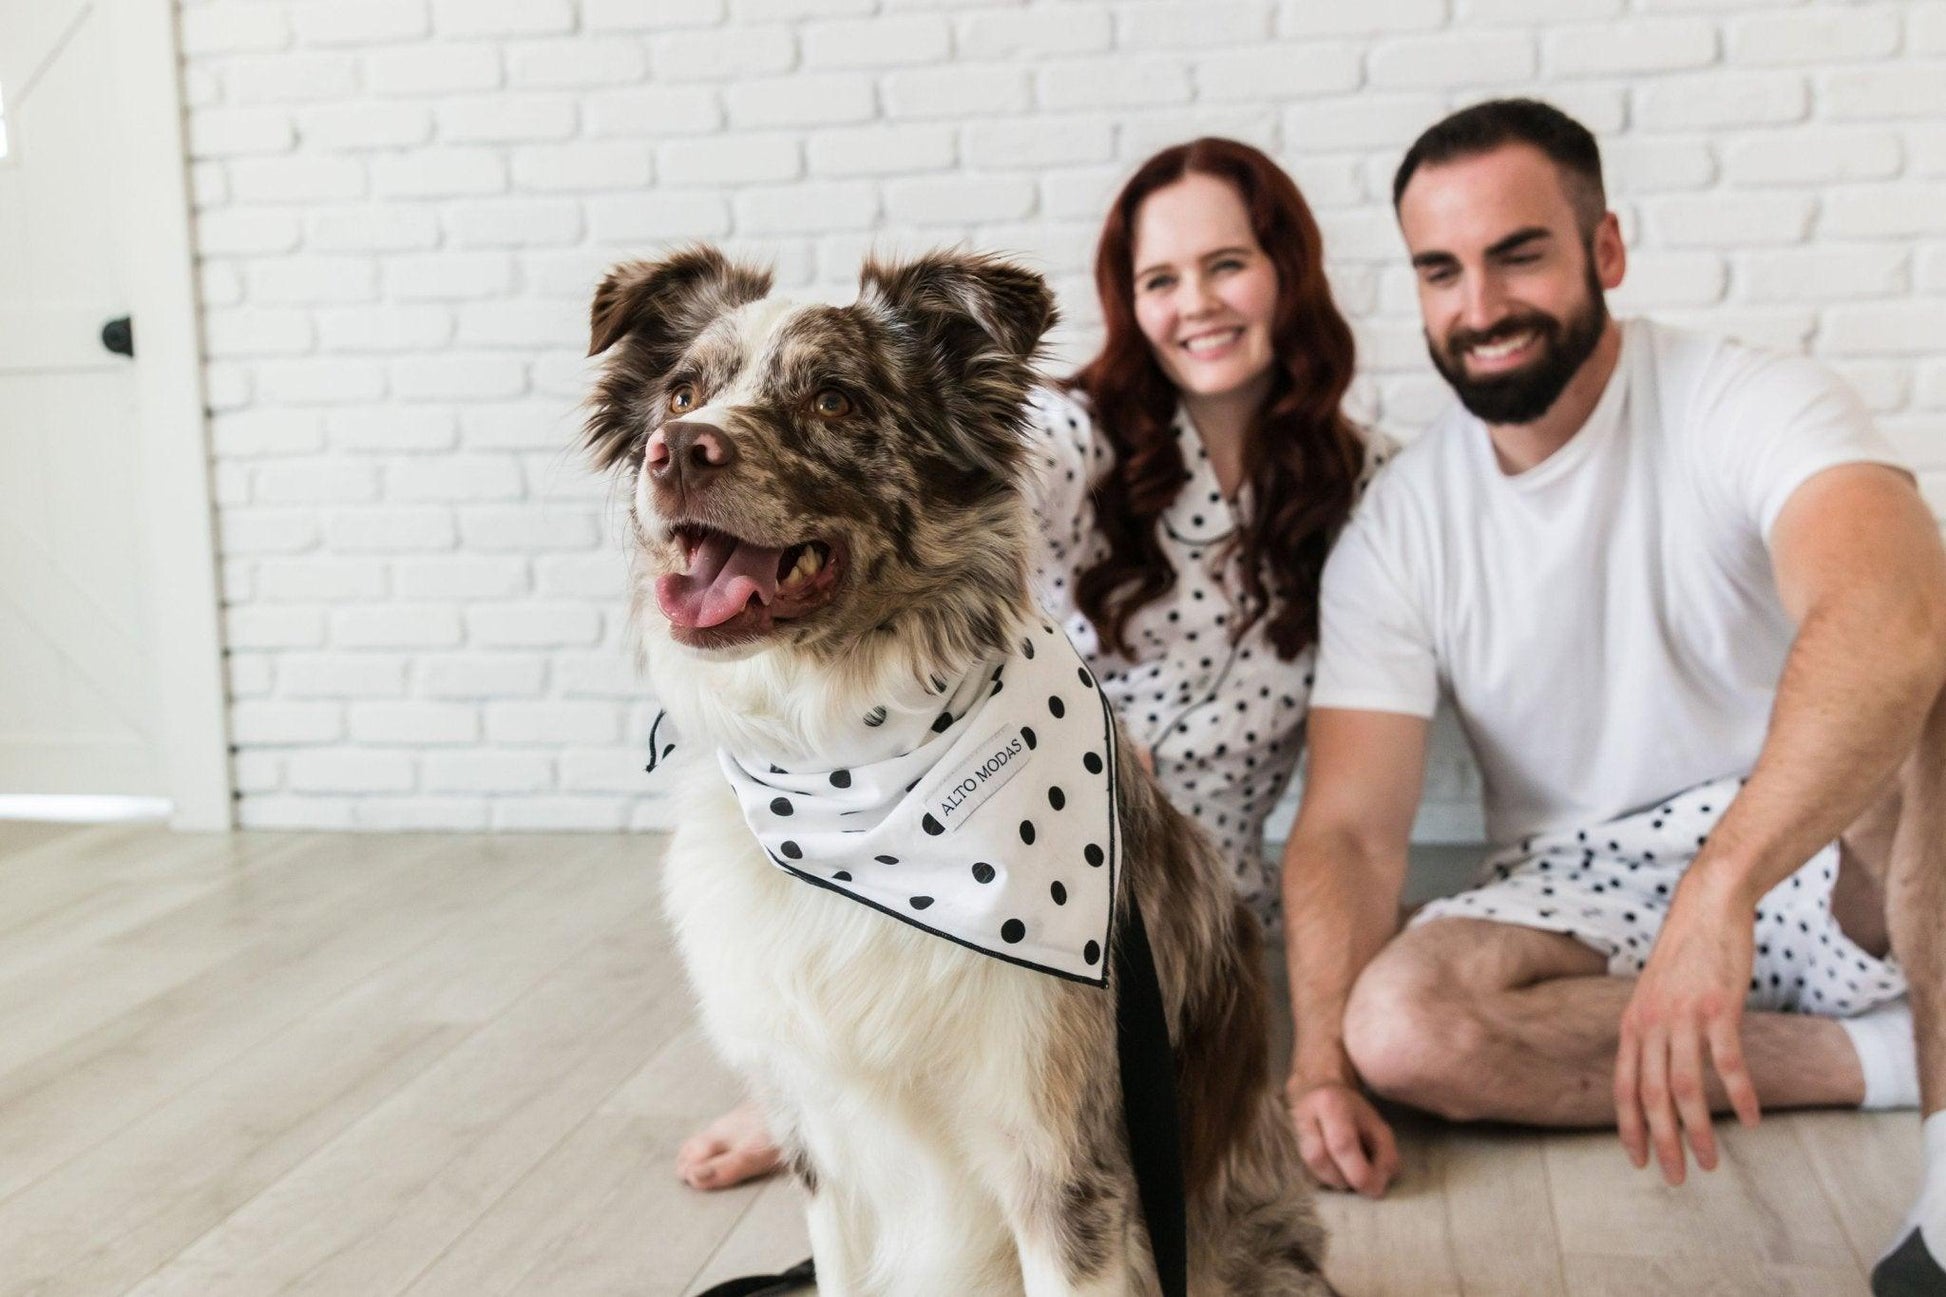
{"x": 1609, "y": 887}
{"x": 992, "y": 825}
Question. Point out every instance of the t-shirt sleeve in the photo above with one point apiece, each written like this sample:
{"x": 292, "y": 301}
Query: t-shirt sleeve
{"x": 1375, "y": 652}
{"x": 1764, "y": 424}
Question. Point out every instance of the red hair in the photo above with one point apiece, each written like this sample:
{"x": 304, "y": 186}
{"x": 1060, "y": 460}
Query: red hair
{"x": 1301, "y": 457}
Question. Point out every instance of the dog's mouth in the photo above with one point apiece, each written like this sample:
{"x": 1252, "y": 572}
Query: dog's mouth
{"x": 733, "y": 589}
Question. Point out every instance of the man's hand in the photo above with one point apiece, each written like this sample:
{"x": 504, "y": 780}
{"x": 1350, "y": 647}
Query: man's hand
{"x": 1344, "y": 1141}
{"x": 1689, "y": 1000}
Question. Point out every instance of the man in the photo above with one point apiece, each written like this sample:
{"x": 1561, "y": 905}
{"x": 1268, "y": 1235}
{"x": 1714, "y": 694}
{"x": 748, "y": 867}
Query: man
{"x": 1692, "y": 617}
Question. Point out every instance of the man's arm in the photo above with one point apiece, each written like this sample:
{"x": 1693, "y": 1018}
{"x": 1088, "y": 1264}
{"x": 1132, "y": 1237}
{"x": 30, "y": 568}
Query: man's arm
{"x": 1860, "y": 568}
{"x": 1344, "y": 871}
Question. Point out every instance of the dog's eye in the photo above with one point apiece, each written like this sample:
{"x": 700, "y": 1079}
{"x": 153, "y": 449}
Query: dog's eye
{"x": 682, "y": 399}
{"x": 831, "y": 404}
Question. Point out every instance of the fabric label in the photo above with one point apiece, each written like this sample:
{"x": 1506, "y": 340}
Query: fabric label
{"x": 980, "y": 776}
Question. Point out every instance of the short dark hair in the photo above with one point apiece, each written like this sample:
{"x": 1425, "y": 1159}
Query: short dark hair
{"x": 1498, "y": 122}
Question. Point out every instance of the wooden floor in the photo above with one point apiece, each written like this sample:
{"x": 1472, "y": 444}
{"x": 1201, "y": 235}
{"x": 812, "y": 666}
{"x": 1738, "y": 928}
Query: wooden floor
{"x": 373, "y": 1065}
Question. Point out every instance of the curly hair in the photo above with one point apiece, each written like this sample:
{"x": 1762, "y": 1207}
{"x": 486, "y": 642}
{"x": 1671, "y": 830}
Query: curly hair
{"x": 1302, "y": 457}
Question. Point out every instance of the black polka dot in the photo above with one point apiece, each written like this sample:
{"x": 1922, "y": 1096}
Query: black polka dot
{"x": 932, "y": 827}
{"x": 886, "y": 860}
{"x": 841, "y": 778}
{"x": 942, "y": 722}
{"x": 1027, "y": 832}
{"x": 1056, "y": 798}
{"x": 1027, "y": 647}
{"x": 1059, "y": 893}
{"x": 1056, "y": 706}
{"x": 1093, "y": 762}
{"x": 921, "y": 902}
{"x": 791, "y": 849}
{"x": 842, "y": 876}
{"x": 1087, "y": 680}
{"x": 1012, "y": 931}
{"x": 875, "y": 717}
{"x": 1091, "y": 953}
{"x": 781, "y": 806}
{"x": 1027, "y": 732}
{"x": 1093, "y": 855}
{"x": 982, "y": 872}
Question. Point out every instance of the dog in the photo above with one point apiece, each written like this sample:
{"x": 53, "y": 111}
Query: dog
{"x": 830, "y": 544}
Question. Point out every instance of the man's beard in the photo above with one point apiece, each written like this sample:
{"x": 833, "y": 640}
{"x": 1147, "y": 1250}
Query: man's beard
{"x": 1525, "y": 394}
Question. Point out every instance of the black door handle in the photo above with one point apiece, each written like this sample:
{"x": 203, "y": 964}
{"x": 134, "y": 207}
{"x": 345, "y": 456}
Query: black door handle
{"x": 118, "y": 335}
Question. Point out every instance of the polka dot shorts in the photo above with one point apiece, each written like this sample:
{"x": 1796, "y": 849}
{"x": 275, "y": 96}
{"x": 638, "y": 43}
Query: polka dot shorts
{"x": 1609, "y": 888}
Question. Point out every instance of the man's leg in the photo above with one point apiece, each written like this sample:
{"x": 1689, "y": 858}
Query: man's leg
{"x": 730, "y": 1150}
{"x": 1477, "y": 1020}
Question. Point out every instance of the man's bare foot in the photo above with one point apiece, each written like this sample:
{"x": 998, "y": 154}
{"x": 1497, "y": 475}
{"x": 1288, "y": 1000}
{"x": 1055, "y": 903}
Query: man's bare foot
{"x": 730, "y": 1150}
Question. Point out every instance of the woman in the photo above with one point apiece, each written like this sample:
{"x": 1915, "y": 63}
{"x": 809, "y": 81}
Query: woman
{"x": 1193, "y": 476}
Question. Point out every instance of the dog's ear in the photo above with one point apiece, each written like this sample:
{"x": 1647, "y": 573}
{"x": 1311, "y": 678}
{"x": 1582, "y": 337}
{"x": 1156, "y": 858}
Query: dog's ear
{"x": 672, "y": 299}
{"x": 957, "y": 299}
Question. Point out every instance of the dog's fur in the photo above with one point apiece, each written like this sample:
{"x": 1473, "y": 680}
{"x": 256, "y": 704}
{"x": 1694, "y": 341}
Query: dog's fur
{"x": 955, "y": 1119}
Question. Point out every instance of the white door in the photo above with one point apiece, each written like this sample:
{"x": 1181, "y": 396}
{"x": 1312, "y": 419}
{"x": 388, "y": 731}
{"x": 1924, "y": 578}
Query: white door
{"x": 77, "y": 711}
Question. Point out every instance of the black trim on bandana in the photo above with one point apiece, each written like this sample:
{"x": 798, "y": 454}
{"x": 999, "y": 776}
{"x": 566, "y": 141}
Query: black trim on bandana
{"x": 766, "y": 1285}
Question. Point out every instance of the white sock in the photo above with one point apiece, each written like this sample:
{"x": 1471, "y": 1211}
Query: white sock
{"x": 1887, "y": 1055}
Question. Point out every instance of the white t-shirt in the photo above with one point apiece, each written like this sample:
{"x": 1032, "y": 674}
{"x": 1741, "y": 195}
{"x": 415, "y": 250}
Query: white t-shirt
{"x": 1606, "y": 624}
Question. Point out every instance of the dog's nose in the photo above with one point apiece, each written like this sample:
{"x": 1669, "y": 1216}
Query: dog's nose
{"x": 689, "y": 452}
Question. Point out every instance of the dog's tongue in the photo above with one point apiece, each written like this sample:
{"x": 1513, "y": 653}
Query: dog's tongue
{"x": 723, "y": 574}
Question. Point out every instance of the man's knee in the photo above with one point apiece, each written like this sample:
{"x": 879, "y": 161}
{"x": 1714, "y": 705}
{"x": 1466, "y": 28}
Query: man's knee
{"x": 1413, "y": 1037}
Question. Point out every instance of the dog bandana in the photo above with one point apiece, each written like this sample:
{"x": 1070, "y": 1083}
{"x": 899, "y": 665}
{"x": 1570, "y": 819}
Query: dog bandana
{"x": 992, "y": 824}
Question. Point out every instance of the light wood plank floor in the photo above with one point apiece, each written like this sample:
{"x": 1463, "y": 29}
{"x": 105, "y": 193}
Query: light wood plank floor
{"x": 437, "y": 1065}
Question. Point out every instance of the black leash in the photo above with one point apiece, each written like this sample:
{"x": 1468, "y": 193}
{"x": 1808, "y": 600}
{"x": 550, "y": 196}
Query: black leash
{"x": 766, "y": 1285}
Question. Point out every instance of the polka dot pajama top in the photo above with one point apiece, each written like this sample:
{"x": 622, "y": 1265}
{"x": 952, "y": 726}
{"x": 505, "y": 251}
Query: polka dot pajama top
{"x": 1224, "y": 721}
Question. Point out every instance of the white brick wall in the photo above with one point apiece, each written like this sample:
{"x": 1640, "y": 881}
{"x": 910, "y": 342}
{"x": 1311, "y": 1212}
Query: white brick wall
{"x": 403, "y": 206}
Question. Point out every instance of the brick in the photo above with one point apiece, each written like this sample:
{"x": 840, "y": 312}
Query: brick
{"x": 349, "y": 770}
{"x": 276, "y": 721}
{"x": 303, "y": 279}
{"x": 474, "y": 674}
{"x": 601, "y": 574}
{"x": 233, "y": 29}
{"x": 448, "y": 276}
{"x": 360, "y": 22}
{"x": 1722, "y": 99}
{"x": 1814, "y": 37}
{"x": 267, "y": 531}
{"x": 460, "y": 577}
{"x": 1925, "y": 31}
{"x": 527, "y": 528}
{"x": 533, "y": 625}
{"x": 506, "y": 119}
{"x": 776, "y": 209}
{"x": 445, "y": 68}
{"x": 1669, "y": 279}
{"x": 390, "y": 227}
{"x": 1048, "y": 140}
{"x": 1926, "y": 151}
{"x": 1367, "y": 121}
{"x": 1473, "y": 13}
{"x": 291, "y": 812}
{"x": 227, "y": 385}
{"x": 1457, "y": 59}
{"x": 518, "y": 425}
{"x": 722, "y": 54}
{"x": 1732, "y": 220}
{"x": 1279, "y": 72}
{"x": 391, "y": 529}
{"x": 1143, "y": 134}
{"x": 1123, "y": 81}
{"x": 1629, "y": 48}
{"x": 1882, "y": 93}
{"x": 881, "y": 149}
{"x": 396, "y": 626}
{"x": 561, "y": 814}
{"x": 312, "y": 580}
{"x": 582, "y": 166}
{"x": 366, "y": 125}
{"x": 958, "y": 91}
{"x": 512, "y": 223}
{"x": 956, "y": 199}
{"x": 552, "y": 721}
{"x": 392, "y": 427}
{"x": 437, "y": 814}
{"x": 232, "y": 132}
{"x": 389, "y": 328}
{"x": 295, "y": 179}
{"x": 458, "y": 377}
{"x": 617, "y": 769}
{"x": 293, "y": 78}
{"x": 743, "y": 11}
{"x": 645, "y": 15}
{"x": 803, "y": 100}
{"x": 241, "y": 231}
{"x": 1882, "y": 384}
{"x": 1184, "y": 24}
{"x": 341, "y": 675}
{"x": 209, "y": 185}
{"x": 1899, "y": 209}
{"x": 879, "y": 42}
{"x": 273, "y": 626}
{"x": 414, "y": 723}
{"x": 1656, "y": 165}
{"x": 1079, "y": 193}
{"x": 671, "y": 214}
{"x": 439, "y": 172}
{"x": 487, "y": 772}
{"x": 652, "y": 111}
{"x": 453, "y": 478}
{"x": 1006, "y": 34}
{"x": 320, "y": 381}
{"x": 331, "y": 480}
{"x": 1812, "y": 155}
{"x": 1825, "y": 272}
{"x": 1886, "y": 328}
{"x": 502, "y": 17}
{"x": 575, "y": 64}
{"x": 268, "y": 432}
{"x": 255, "y": 772}
{"x": 748, "y": 159}
{"x": 1365, "y": 18}
{"x": 256, "y": 331}
{"x": 523, "y": 324}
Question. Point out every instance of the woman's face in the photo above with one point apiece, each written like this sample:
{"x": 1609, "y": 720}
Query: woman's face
{"x": 1204, "y": 290}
